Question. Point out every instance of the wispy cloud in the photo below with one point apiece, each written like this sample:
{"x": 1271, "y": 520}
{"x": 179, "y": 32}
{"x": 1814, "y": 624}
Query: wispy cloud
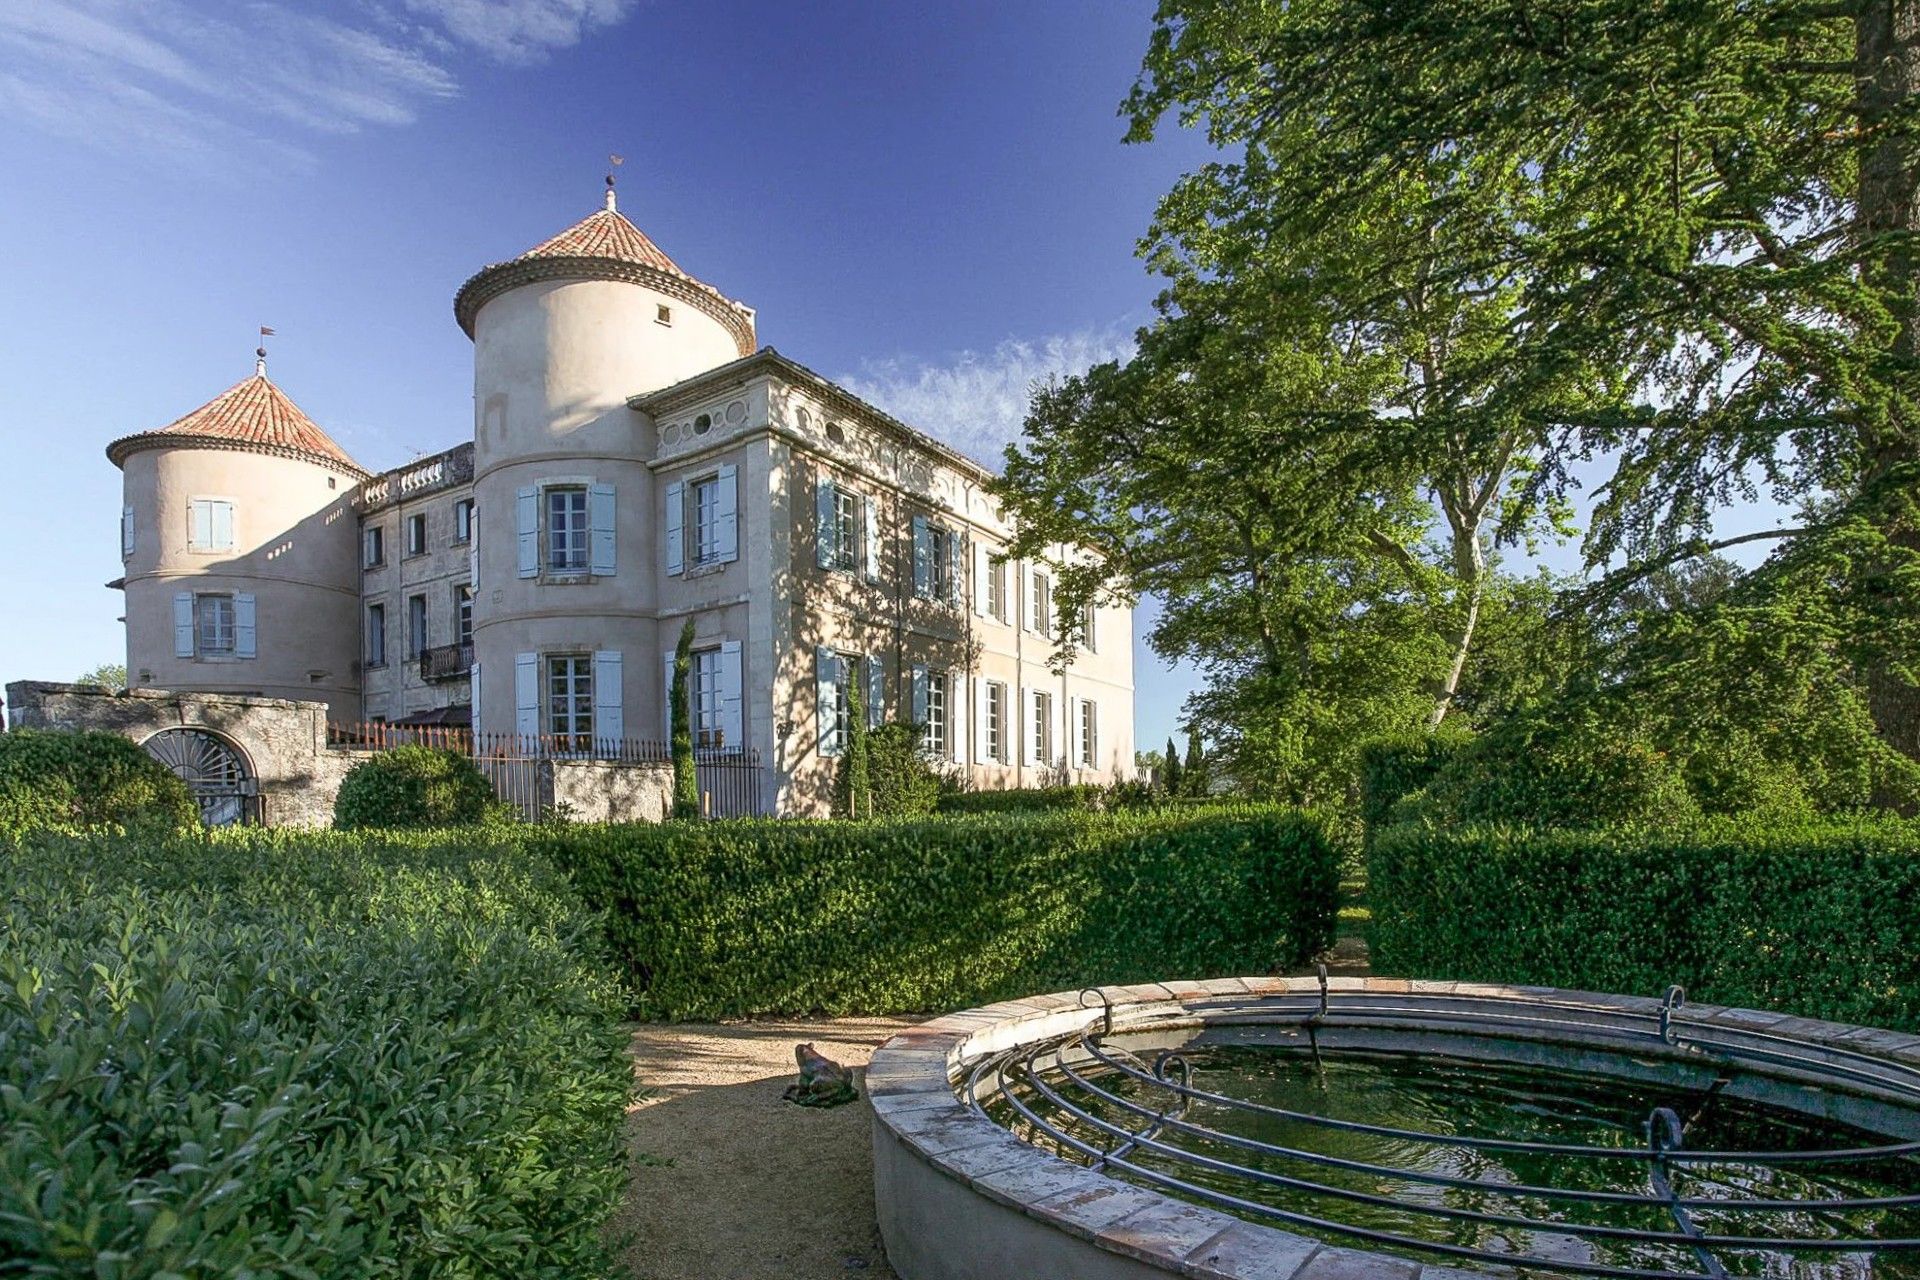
{"x": 189, "y": 82}
{"x": 976, "y": 401}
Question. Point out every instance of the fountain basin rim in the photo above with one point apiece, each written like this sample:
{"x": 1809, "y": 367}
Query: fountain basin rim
{"x": 912, "y": 1081}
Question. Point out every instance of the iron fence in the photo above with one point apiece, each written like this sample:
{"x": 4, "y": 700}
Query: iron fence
{"x": 521, "y": 766}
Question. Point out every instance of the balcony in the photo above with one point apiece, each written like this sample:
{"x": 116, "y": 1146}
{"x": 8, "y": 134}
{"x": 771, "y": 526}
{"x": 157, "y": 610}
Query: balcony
{"x": 446, "y": 661}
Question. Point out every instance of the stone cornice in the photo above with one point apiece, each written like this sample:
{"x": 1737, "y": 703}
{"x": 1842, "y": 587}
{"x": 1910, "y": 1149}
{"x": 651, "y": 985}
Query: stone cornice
{"x": 121, "y": 449}
{"x": 490, "y": 282}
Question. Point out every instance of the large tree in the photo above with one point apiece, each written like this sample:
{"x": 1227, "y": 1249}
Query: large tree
{"x": 1704, "y": 209}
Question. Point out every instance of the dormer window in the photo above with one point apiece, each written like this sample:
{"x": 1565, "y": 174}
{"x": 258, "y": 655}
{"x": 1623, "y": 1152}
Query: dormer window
{"x": 663, "y": 314}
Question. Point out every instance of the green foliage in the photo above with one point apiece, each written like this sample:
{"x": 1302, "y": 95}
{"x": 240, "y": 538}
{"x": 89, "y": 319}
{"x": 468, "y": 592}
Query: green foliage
{"x": 69, "y": 781}
{"x": 902, "y": 782}
{"x": 732, "y": 918}
{"x": 414, "y": 786}
{"x": 1195, "y": 780}
{"x": 1813, "y": 917}
{"x": 1083, "y": 797}
{"x": 854, "y": 784}
{"x": 686, "y": 782}
{"x": 1172, "y": 781}
{"x": 109, "y": 677}
{"x": 1393, "y": 768}
{"x": 256, "y": 1053}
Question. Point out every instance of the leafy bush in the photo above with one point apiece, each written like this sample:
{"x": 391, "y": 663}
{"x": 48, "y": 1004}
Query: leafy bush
{"x": 1393, "y": 768}
{"x": 414, "y": 786}
{"x": 901, "y": 780}
{"x": 255, "y": 1053}
{"x": 1085, "y": 797}
{"x": 733, "y": 918}
{"x": 1814, "y": 917}
{"x": 71, "y": 781}
{"x": 1552, "y": 772}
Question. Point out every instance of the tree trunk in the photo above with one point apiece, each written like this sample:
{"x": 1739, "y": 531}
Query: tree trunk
{"x": 1470, "y": 569}
{"x": 1887, "y": 71}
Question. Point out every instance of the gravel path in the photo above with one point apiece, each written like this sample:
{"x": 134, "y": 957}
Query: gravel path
{"x": 732, "y": 1183}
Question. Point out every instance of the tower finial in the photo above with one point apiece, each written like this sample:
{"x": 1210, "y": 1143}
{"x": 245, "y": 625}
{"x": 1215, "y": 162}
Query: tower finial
{"x": 260, "y": 353}
{"x": 617, "y": 162}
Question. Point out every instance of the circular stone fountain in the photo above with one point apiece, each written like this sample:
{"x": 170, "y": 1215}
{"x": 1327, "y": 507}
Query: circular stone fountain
{"x": 1315, "y": 1129}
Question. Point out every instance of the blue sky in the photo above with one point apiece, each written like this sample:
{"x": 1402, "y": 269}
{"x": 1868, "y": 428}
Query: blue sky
{"x": 928, "y": 202}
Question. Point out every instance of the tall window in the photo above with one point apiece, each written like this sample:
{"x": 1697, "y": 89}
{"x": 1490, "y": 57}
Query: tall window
{"x": 417, "y": 534}
{"x": 416, "y": 626}
{"x": 376, "y": 635}
{"x": 1042, "y": 727}
{"x": 570, "y": 700}
{"x": 1089, "y": 733}
{"x": 463, "y": 520}
{"x": 376, "y": 546}
{"x": 934, "y": 741}
{"x": 706, "y": 699}
{"x": 706, "y": 520}
{"x": 846, "y": 530}
{"x": 943, "y": 564}
{"x": 997, "y": 590}
{"x": 1042, "y": 604}
{"x": 463, "y": 615}
{"x": 567, "y": 530}
{"x": 997, "y": 721}
{"x": 213, "y": 624}
{"x": 211, "y": 525}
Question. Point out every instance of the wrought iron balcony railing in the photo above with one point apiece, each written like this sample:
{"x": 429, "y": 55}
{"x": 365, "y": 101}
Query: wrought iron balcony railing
{"x": 446, "y": 661}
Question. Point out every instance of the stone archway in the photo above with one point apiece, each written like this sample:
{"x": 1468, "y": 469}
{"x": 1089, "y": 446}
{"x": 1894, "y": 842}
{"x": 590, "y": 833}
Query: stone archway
{"x": 216, "y": 772}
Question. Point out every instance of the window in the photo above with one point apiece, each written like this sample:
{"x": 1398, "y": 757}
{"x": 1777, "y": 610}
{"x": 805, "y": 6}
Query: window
{"x": 213, "y": 625}
{"x": 376, "y": 635}
{"x": 463, "y": 615}
{"x": 662, "y": 314}
{"x": 1087, "y": 635}
{"x": 997, "y": 721}
{"x": 126, "y": 533}
{"x": 417, "y": 534}
{"x": 376, "y": 546}
{"x": 1042, "y": 727}
{"x": 463, "y": 520}
{"x": 567, "y": 530}
{"x": 210, "y": 527}
{"x": 846, "y": 529}
{"x": 833, "y": 670}
{"x": 570, "y": 700}
{"x": 934, "y": 741}
{"x": 1042, "y": 606}
{"x": 997, "y": 590}
{"x": 1089, "y": 733}
{"x": 707, "y": 695}
{"x": 706, "y": 520}
{"x": 943, "y": 564}
{"x": 416, "y": 626}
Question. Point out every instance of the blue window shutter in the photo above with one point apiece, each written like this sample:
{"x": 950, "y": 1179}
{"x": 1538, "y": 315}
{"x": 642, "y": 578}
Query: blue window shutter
{"x": 244, "y": 630}
{"x": 473, "y": 699}
{"x": 922, "y": 558}
{"x": 609, "y": 703}
{"x": 726, "y": 515}
{"x": 526, "y": 519}
{"x": 919, "y": 695}
{"x": 676, "y": 535}
{"x": 666, "y": 701}
{"x": 601, "y": 524}
{"x": 222, "y": 526}
{"x": 526, "y": 695}
{"x": 827, "y": 706}
{"x": 957, "y": 705}
{"x": 876, "y": 691}
{"x": 732, "y": 731}
{"x": 126, "y": 533}
{"x": 824, "y": 535}
{"x": 870, "y": 513}
{"x": 183, "y": 625}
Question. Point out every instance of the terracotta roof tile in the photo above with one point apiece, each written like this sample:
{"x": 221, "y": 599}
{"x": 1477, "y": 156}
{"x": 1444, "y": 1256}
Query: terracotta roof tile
{"x": 606, "y": 234}
{"x": 253, "y": 413}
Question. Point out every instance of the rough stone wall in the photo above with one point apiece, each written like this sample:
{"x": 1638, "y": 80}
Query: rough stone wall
{"x": 284, "y": 742}
{"x": 605, "y": 791}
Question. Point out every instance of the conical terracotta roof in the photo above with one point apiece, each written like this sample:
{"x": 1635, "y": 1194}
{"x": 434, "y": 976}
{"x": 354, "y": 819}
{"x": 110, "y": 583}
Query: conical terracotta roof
{"x": 252, "y": 415}
{"x": 603, "y": 246}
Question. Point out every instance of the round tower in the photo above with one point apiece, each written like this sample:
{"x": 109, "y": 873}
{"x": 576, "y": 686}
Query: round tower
{"x": 240, "y": 547}
{"x": 563, "y": 336}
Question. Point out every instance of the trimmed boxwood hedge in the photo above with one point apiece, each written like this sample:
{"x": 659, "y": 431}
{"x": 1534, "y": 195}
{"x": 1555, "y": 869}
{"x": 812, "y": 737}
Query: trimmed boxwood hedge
{"x": 1819, "y": 918}
{"x": 68, "y": 780}
{"x": 414, "y": 786}
{"x": 269, "y": 1054}
{"x": 1024, "y": 799}
{"x": 726, "y": 919}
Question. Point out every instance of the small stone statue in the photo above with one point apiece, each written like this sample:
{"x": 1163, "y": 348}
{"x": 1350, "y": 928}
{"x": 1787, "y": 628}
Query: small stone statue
{"x": 823, "y": 1082}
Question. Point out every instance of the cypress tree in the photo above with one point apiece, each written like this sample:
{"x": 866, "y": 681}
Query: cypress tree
{"x": 854, "y": 771}
{"x": 1170, "y": 772}
{"x": 1196, "y": 770}
{"x": 686, "y": 787}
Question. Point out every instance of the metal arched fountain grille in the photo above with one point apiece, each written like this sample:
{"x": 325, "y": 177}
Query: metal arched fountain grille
{"x": 1029, "y": 1078}
{"x": 214, "y": 771}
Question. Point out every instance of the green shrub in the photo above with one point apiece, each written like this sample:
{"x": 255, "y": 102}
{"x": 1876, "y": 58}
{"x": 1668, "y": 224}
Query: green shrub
{"x": 1815, "y": 917}
{"x": 255, "y": 1053}
{"x": 419, "y": 787}
{"x": 734, "y": 918}
{"x": 1081, "y": 796}
{"x": 1551, "y": 773}
{"x": 70, "y": 781}
{"x": 1393, "y": 768}
{"x": 901, "y": 779}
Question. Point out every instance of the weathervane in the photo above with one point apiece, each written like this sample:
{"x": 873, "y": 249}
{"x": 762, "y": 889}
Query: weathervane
{"x": 260, "y": 352}
{"x": 617, "y": 162}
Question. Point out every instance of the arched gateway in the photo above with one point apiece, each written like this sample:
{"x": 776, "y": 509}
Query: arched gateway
{"x": 215, "y": 771}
